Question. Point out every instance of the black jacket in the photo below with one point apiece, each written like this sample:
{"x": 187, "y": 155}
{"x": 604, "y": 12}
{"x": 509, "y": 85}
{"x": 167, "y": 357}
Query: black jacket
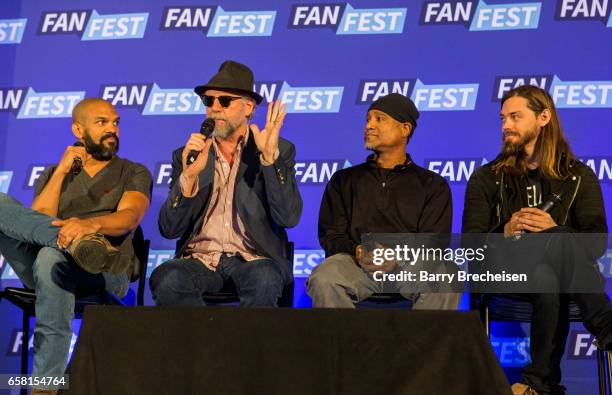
{"x": 491, "y": 199}
{"x": 359, "y": 199}
{"x": 266, "y": 197}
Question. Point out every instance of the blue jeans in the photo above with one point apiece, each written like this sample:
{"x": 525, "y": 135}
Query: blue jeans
{"x": 28, "y": 243}
{"x": 259, "y": 283}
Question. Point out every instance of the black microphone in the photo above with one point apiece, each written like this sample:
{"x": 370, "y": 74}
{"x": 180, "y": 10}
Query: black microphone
{"x": 555, "y": 198}
{"x": 77, "y": 164}
{"x": 206, "y": 130}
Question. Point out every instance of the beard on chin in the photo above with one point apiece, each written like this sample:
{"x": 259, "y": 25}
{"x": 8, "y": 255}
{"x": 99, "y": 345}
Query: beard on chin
{"x": 226, "y": 130}
{"x": 370, "y": 143}
{"x": 512, "y": 148}
{"x": 99, "y": 151}
{"x": 515, "y": 148}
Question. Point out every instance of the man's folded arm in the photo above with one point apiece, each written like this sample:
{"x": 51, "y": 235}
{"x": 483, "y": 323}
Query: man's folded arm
{"x": 47, "y": 191}
{"x": 132, "y": 207}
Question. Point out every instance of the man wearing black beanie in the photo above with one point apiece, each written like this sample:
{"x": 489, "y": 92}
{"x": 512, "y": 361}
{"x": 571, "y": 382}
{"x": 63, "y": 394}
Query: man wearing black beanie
{"x": 388, "y": 194}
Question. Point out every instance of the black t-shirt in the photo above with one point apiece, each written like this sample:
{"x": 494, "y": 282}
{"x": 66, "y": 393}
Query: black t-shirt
{"x": 84, "y": 197}
{"x": 534, "y": 188}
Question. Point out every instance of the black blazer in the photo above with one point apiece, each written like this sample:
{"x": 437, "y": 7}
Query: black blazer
{"x": 266, "y": 197}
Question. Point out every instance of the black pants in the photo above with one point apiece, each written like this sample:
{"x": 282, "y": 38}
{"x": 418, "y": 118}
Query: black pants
{"x": 558, "y": 268}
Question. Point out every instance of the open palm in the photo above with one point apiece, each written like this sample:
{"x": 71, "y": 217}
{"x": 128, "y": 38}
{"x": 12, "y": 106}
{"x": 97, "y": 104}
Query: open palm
{"x": 267, "y": 139}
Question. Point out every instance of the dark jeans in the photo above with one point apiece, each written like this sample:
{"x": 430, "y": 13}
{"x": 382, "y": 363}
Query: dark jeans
{"x": 548, "y": 335}
{"x": 28, "y": 242}
{"x": 556, "y": 270}
{"x": 549, "y": 331}
{"x": 259, "y": 283}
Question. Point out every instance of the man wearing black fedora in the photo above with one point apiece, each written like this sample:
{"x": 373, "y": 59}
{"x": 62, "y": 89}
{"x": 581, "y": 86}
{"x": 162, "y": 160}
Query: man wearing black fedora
{"x": 230, "y": 206}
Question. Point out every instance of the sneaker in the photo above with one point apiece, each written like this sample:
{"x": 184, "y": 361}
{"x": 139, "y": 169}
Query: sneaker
{"x": 604, "y": 344}
{"x": 95, "y": 254}
{"x": 37, "y": 391}
{"x": 522, "y": 389}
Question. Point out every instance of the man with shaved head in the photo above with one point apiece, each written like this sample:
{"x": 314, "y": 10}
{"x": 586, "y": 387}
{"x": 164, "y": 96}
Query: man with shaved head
{"x": 77, "y": 238}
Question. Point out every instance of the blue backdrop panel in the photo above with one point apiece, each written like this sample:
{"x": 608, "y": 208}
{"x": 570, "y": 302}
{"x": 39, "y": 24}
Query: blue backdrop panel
{"x": 327, "y": 61}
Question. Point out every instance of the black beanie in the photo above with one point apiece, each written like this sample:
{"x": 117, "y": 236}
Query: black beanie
{"x": 397, "y": 106}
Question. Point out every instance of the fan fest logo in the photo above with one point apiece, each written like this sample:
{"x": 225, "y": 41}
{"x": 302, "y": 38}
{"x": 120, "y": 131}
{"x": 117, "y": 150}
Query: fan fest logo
{"x": 455, "y": 171}
{"x": 11, "y": 30}
{"x": 27, "y": 103}
{"x": 216, "y": 22}
{"x": 511, "y": 351}
{"x": 566, "y": 94}
{"x": 91, "y": 25}
{"x": 301, "y": 99}
{"x": 319, "y": 172}
{"x": 438, "y": 97}
{"x": 596, "y": 10}
{"x": 307, "y": 172}
{"x": 344, "y": 19}
{"x": 151, "y": 99}
{"x": 6, "y": 272}
{"x": 459, "y": 170}
{"x": 5, "y": 180}
{"x": 303, "y": 261}
{"x": 581, "y": 345}
{"x": 481, "y": 16}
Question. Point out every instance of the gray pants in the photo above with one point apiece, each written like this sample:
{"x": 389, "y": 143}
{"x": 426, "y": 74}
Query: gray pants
{"x": 339, "y": 282}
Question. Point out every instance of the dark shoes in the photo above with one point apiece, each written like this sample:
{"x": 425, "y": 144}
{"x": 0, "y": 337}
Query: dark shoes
{"x": 522, "y": 389}
{"x": 603, "y": 344}
{"x": 36, "y": 391}
{"x": 95, "y": 254}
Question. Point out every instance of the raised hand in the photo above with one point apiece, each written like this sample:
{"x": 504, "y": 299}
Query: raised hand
{"x": 267, "y": 139}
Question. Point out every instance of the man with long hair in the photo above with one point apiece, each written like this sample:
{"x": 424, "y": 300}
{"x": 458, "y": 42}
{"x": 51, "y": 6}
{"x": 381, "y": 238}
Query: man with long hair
{"x": 505, "y": 197}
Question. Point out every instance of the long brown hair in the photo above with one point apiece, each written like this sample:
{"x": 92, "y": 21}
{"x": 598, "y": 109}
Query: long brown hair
{"x": 552, "y": 150}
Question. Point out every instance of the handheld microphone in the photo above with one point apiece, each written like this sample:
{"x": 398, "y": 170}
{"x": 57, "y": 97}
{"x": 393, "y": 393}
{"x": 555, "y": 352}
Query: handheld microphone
{"x": 206, "y": 130}
{"x": 77, "y": 164}
{"x": 555, "y": 198}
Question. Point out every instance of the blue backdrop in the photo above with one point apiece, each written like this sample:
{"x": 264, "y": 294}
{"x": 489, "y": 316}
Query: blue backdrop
{"x": 327, "y": 61}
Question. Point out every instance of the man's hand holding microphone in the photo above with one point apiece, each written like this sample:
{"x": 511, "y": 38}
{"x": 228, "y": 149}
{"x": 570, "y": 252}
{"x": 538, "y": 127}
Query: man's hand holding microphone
{"x": 195, "y": 156}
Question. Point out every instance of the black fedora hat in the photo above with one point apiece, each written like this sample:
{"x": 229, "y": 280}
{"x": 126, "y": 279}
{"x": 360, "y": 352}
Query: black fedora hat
{"x": 232, "y": 76}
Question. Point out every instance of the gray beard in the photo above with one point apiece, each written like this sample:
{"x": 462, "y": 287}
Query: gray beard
{"x": 226, "y": 131}
{"x": 223, "y": 133}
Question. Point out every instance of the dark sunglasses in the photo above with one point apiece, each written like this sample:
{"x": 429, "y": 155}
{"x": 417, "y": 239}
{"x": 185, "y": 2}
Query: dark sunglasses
{"x": 225, "y": 101}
